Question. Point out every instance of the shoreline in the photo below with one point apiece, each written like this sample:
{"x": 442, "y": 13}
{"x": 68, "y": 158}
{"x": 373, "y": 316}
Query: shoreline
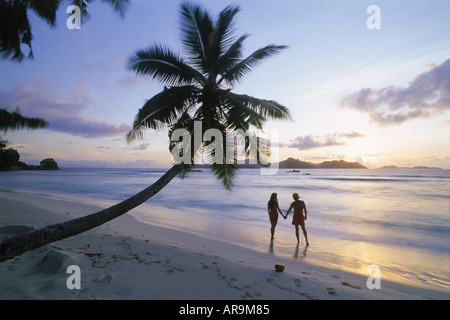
{"x": 128, "y": 259}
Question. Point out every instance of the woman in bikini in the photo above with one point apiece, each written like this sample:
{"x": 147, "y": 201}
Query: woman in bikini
{"x": 273, "y": 209}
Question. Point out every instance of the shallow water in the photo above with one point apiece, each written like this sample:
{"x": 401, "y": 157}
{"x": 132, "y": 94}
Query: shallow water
{"x": 396, "y": 219}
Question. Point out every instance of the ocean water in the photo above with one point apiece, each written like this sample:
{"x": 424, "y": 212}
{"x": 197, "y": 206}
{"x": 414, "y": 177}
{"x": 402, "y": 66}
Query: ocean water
{"x": 398, "y": 220}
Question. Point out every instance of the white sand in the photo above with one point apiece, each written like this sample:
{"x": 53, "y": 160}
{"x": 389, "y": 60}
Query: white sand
{"x": 125, "y": 259}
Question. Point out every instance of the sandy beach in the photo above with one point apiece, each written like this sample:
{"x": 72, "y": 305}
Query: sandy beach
{"x": 126, "y": 259}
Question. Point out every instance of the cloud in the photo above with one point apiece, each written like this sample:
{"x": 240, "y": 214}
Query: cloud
{"x": 330, "y": 140}
{"x": 352, "y": 134}
{"x": 312, "y": 142}
{"x": 142, "y": 146}
{"x": 131, "y": 80}
{"x": 64, "y": 115}
{"x": 428, "y": 94}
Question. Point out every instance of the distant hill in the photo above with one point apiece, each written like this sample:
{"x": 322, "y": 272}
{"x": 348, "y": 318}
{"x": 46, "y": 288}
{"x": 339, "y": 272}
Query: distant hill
{"x": 416, "y": 167}
{"x": 292, "y": 163}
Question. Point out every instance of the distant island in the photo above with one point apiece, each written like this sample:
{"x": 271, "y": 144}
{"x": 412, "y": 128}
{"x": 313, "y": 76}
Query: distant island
{"x": 292, "y": 163}
{"x": 410, "y": 168}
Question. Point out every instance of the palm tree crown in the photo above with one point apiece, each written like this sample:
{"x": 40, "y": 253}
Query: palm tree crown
{"x": 198, "y": 86}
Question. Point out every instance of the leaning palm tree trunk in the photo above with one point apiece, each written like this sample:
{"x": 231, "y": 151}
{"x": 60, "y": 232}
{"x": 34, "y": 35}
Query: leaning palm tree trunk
{"x": 15, "y": 246}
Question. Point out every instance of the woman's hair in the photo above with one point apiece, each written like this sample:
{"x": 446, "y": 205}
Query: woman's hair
{"x": 272, "y": 201}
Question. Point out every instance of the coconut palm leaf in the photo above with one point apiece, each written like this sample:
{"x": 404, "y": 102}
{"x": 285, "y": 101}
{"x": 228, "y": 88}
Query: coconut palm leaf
{"x": 46, "y": 9}
{"x": 220, "y": 38}
{"x": 196, "y": 28}
{"x": 225, "y": 173}
{"x": 231, "y": 57}
{"x": 15, "y": 121}
{"x": 15, "y": 30}
{"x": 163, "y": 64}
{"x": 163, "y": 110}
{"x": 239, "y": 70}
{"x": 267, "y": 109}
{"x": 119, "y": 6}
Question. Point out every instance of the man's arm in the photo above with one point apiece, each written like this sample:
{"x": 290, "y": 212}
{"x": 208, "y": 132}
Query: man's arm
{"x": 306, "y": 212}
{"x": 289, "y": 210}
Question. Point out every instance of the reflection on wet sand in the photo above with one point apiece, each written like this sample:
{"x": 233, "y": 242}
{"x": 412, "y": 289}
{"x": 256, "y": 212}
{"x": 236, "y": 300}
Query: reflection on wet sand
{"x": 296, "y": 251}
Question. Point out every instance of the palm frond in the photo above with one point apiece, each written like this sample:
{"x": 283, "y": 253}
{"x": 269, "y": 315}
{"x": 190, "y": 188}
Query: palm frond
{"x": 196, "y": 27}
{"x": 222, "y": 158}
{"x": 238, "y": 71}
{"x": 119, "y": 6}
{"x": 15, "y": 121}
{"x": 186, "y": 169}
{"x": 46, "y": 9}
{"x": 221, "y": 37}
{"x": 163, "y": 110}
{"x": 239, "y": 115}
{"x": 163, "y": 64}
{"x": 231, "y": 57}
{"x": 15, "y": 30}
{"x": 267, "y": 109}
{"x": 225, "y": 173}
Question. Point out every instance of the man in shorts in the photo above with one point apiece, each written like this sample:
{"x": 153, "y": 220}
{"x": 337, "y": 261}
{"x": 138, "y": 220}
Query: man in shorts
{"x": 298, "y": 218}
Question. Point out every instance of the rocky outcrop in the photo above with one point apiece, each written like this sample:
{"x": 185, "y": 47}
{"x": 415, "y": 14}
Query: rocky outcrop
{"x": 9, "y": 160}
{"x": 49, "y": 164}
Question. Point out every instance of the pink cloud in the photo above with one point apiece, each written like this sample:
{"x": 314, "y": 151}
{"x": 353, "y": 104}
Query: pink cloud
{"x": 428, "y": 94}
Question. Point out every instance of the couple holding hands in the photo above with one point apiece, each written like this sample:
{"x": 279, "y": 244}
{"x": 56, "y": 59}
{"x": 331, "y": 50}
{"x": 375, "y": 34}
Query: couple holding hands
{"x": 297, "y": 219}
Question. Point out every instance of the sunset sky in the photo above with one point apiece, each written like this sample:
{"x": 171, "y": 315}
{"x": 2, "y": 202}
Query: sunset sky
{"x": 376, "y": 96}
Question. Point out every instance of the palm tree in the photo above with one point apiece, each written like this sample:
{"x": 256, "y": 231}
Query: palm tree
{"x": 198, "y": 88}
{"x": 15, "y": 28}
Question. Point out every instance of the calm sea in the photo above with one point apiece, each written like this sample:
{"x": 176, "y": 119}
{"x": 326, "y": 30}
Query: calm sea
{"x": 396, "y": 219}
